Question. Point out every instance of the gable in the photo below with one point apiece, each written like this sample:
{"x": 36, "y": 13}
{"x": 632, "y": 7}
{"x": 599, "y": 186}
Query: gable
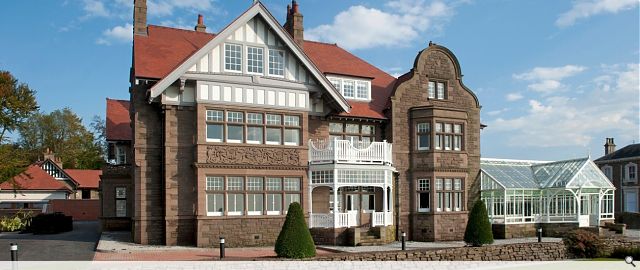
{"x": 256, "y": 26}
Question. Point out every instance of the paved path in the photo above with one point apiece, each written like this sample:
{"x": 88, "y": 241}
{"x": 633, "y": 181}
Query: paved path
{"x": 76, "y": 245}
{"x": 117, "y": 246}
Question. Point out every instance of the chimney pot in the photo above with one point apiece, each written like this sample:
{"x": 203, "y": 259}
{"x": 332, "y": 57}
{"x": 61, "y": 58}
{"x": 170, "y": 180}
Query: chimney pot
{"x": 294, "y": 24}
{"x": 200, "y": 27}
{"x": 609, "y": 146}
{"x": 295, "y": 6}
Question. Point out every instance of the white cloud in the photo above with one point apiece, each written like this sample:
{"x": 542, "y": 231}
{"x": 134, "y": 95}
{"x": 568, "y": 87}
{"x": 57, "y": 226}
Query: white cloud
{"x": 402, "y": 22}
{"x": 513, "y": 96}
{"x": 548, "y": 79}
{"x": 119, "y": 34}
{"x": 587, "y": 8}
{"x": 497, "y": 112}
{"x": 95, "y": 8}
{"x": 576, "y": 120}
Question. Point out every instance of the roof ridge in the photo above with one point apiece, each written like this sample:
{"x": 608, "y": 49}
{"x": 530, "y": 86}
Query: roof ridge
{"x": 324, "y": 43}
{"x": 182, "y": 30}
{"x": 114, "y": 99}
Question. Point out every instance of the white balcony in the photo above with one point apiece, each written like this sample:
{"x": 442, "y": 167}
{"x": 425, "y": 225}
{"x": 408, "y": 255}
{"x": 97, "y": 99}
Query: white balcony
{"x": 349, "y": 219}
{"x": 347, "y": 152}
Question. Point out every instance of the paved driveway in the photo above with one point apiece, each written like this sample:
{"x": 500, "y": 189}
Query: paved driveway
{"x": 76, "y": 245}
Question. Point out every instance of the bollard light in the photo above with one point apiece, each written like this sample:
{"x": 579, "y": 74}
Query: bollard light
{"x": 404, "y": 245}
{"x": 14, "y": 251}
{"x": 540, "y": 235}
{"x": 221, "y": 247}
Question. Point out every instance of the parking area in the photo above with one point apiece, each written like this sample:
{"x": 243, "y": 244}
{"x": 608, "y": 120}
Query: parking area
{"x": 76, "y": 245}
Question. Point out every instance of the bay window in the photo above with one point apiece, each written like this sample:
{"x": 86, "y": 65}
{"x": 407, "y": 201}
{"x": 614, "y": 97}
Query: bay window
{"x": 423, "y": 135}
{"x": 424, "y": 203}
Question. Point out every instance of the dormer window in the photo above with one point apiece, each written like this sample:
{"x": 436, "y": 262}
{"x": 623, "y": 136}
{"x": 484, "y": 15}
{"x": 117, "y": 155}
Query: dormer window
{"x": 352, "y": 88}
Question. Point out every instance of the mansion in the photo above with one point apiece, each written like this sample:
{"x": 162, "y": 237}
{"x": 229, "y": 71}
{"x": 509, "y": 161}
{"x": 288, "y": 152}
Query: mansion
{"x": 223, "y": 131}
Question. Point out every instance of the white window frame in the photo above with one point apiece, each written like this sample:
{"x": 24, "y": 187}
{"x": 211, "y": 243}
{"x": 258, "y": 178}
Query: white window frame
{"x": 121, "y": 154}
{"x": 262, "y": 204}
{"x": 247, "y": 61}
{"x": 627, "y": 175}
{"x": 426, "y": 188}
{"x": 269, "y": 63}
{"x": 224, "y": 64}
{"x": 235, "y": 213}
{"x": 214, "y": 213}
{"x": 339, "y": 82}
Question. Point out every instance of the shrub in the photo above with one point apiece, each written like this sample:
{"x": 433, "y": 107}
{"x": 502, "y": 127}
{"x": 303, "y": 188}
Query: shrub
{"x": 583, "y": 244}
{"x": 18, "y": 222}
{"x": 622, "y": 252}
{"x": 294, "y": 240}
{"x": 478, "y": 231}
{"x": 51, "y": 223}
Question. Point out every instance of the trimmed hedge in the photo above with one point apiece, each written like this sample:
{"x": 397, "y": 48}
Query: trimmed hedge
{"x": 294, "y": 240}
{"x": 478, "y": 231}
{"x": 51, "y": 223}
{"x": 622, "y": 252}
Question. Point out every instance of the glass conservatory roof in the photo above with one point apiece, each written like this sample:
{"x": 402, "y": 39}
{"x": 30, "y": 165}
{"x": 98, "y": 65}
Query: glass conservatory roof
{"x": 518, "y": 174}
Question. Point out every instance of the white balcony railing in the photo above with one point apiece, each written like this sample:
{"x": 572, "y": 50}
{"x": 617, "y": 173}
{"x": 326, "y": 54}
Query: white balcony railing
{"x": 349, "y": 219}
{"x": 344, "y": 151}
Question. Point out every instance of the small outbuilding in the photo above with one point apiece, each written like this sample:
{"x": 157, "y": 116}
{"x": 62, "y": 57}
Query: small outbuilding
{"x": 523, "y": 196}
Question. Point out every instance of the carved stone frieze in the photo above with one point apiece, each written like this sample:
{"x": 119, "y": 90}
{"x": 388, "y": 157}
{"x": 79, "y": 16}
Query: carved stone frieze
{"x": 220, "y": 154}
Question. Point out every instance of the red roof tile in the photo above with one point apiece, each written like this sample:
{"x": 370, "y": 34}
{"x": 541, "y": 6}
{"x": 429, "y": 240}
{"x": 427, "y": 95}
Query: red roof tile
{"x": 164, "y": 49}
{"x": 86, "y": 178}
{"x": 118, "y": 123}
{"x": 33, "y": 178}
{"x": 330, "y": 58}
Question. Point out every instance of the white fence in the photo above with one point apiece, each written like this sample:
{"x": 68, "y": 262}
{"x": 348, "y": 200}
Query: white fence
{"x": 344, "y": 151}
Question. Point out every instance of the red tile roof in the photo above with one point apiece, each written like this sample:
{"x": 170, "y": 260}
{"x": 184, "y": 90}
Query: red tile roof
{"x": 164, "y": 49}
{"x": 330, "y": 58}
{"x": 33, "y": 178}
{"x": 118, "y": 123}
{"x": 85, "y": 178}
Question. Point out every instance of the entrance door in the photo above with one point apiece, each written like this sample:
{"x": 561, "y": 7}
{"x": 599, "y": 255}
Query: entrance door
{"x": 585, "y": 205}
{"x": 353, "y": 208}
{"x": 594, "y": 218}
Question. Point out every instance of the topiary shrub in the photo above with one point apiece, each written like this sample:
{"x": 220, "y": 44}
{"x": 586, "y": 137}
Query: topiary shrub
{"x": 294, "y": 240}
{"x": 583, "y": 244}
{"x": 478, "y": 231}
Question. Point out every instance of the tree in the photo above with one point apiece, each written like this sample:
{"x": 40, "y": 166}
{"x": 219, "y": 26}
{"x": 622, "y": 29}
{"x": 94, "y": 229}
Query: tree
{"x": 294, "y": 240}
{"x": 99, "y": 130}
{"x": 62, "y": 132}
{"x": 17, "y": 103}
{"x": 14, "y": 161}
{"x": 478, "y": 230}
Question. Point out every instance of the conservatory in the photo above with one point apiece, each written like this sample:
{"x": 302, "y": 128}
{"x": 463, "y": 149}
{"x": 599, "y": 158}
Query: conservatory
{"x": 573, "y": 192}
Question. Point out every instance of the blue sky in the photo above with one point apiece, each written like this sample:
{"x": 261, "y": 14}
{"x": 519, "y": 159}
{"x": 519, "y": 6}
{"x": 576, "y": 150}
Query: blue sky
{"x": 554, "y": 77}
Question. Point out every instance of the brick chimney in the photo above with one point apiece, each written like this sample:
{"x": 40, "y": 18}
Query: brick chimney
{"x": 48, "y": 154}
{"x": 609, "y": 146}
{"x": 200, "y": 27}
{"x": 140, "y": 17}
{"x": 294, "y": 25}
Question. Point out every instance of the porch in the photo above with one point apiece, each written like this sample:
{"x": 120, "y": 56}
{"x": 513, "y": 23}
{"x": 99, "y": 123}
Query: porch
{"x": 351, "y": 184}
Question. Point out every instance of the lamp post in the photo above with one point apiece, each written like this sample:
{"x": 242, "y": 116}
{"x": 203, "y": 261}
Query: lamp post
{"x": 540, "y": 234}
{"x": 14, "y": 251}
{"x": 404, "y": 245}
{"x": 221, "y": 247}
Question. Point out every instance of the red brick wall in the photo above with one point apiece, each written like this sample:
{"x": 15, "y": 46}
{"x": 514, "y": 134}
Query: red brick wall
{"x": 80, "y": 210}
